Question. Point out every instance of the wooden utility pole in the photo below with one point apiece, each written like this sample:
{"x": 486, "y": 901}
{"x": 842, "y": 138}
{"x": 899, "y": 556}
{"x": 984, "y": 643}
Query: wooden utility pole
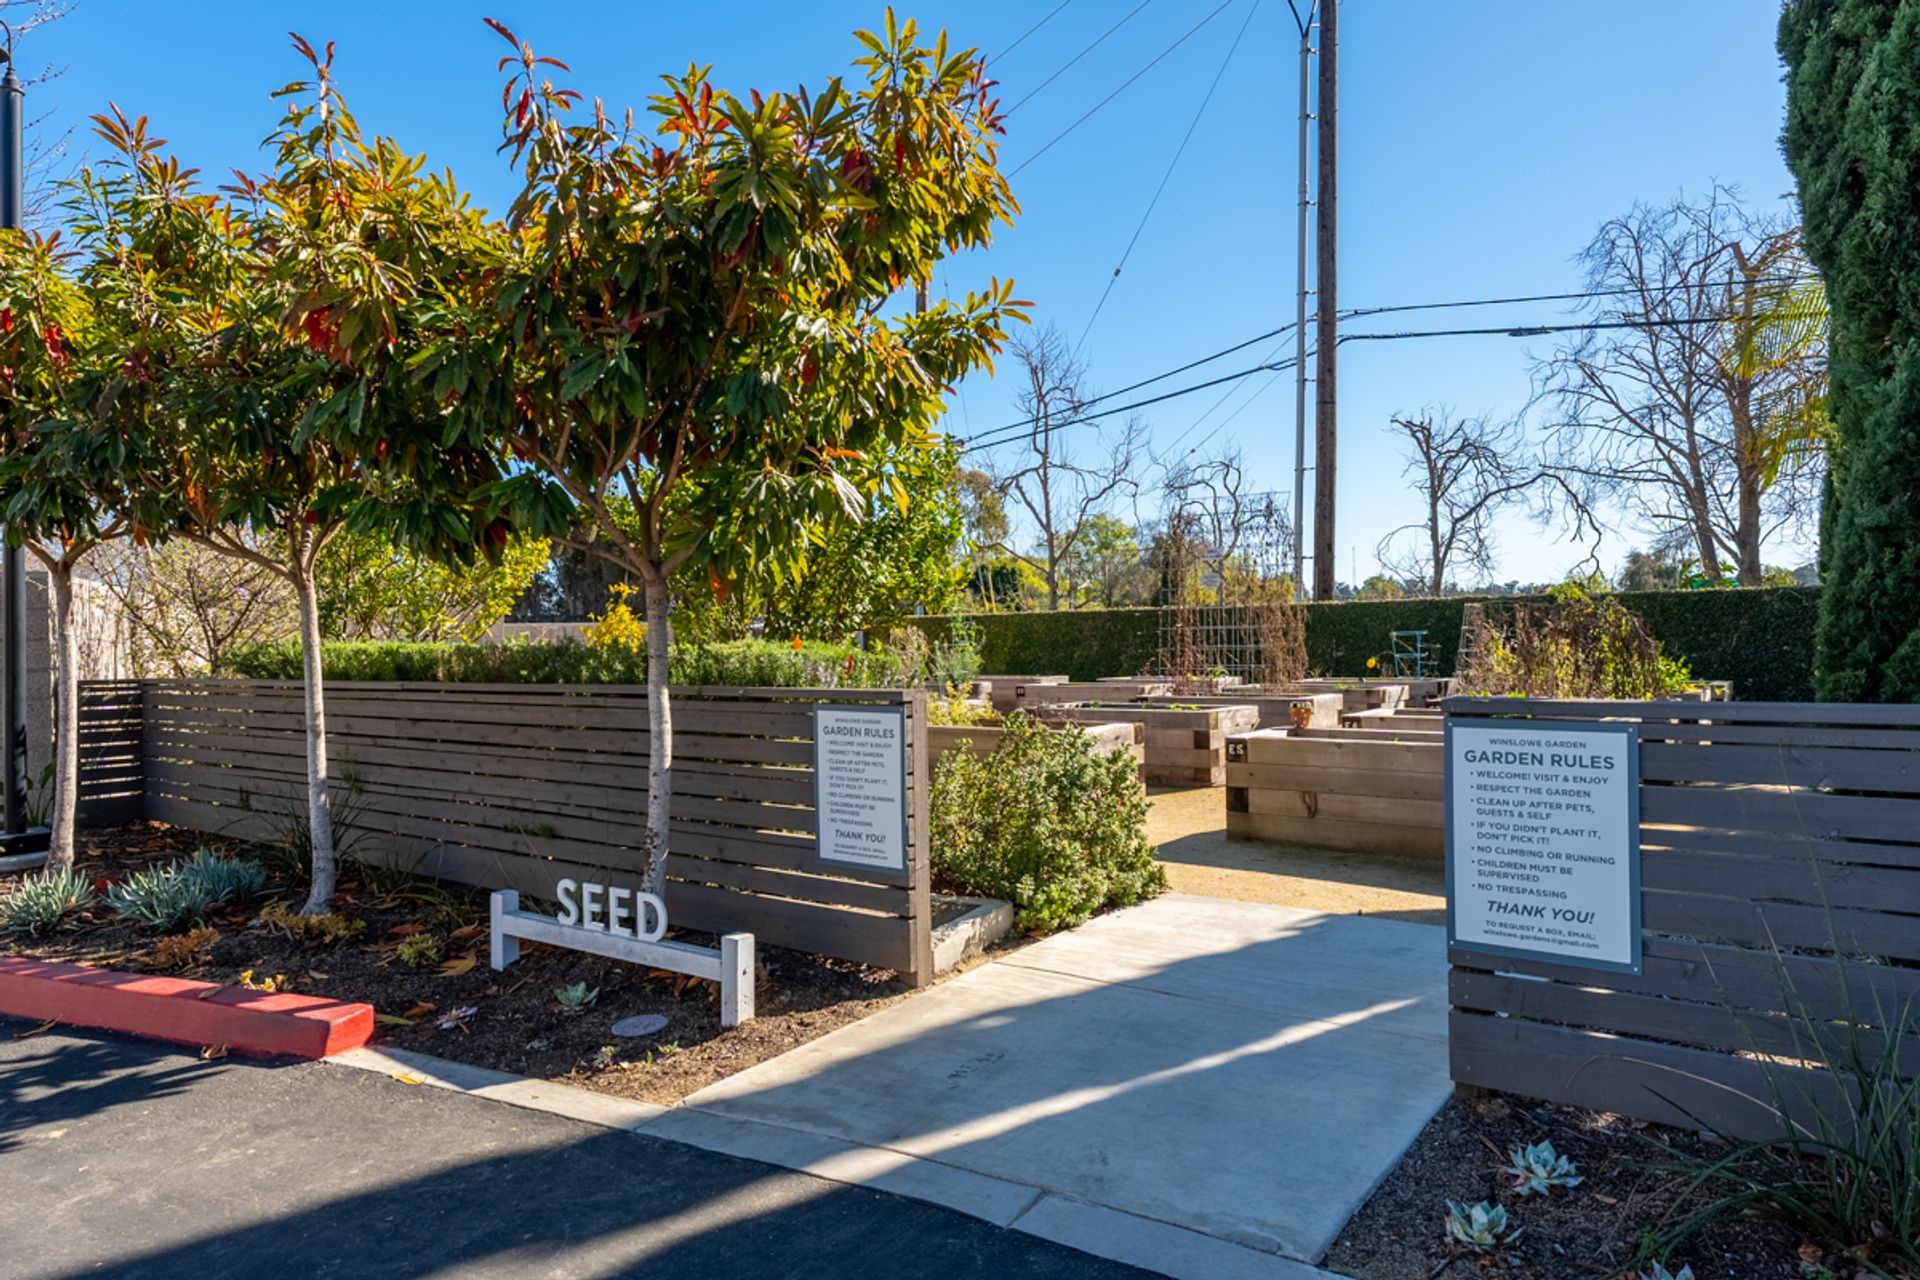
{"x": 1326, "y": 335}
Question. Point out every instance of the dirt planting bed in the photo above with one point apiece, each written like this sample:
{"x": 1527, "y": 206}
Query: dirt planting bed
{"x": 1633, "y": 1191}
{"x": 443, "y": 999}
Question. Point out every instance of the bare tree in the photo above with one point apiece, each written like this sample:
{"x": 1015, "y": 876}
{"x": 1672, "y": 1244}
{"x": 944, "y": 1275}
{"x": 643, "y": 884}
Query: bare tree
{"x": 1656, "y": 411}
{"x": 1058, "y": 491}
{"x": 1247, "y": 533}
{"x": 1466, "y": 470}
{"x": 46, "y": 146}
{"x": 189, "y": 610}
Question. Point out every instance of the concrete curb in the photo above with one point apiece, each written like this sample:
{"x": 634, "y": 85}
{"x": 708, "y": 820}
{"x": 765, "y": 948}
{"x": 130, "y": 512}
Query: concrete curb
{"x": 1104, "y": 1232}
{"x": 258, "y": 1023}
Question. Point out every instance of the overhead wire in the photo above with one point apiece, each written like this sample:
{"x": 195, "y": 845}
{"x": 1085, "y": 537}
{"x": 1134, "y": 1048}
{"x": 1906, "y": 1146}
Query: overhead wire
{"x": 1068, "y": 64}
{"x": 1002, "y": 435}
{"x": 1030, "y": 30}
{"x": 1167, "y": 177}
{"x": 1123, "y": 87}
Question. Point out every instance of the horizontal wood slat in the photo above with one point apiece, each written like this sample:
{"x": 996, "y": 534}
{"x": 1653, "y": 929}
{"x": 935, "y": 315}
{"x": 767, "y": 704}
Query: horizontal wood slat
{"x": 515, "y": 786}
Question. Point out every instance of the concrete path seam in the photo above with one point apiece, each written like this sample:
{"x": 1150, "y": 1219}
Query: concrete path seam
{"x": 605, "y": 1111}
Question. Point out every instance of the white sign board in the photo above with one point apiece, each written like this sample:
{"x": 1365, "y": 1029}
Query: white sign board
{"x": 1543, "y": 840}
{"x": 860, "y": 786}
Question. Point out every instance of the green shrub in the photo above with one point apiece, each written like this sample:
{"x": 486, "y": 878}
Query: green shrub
{"x": 186, "y": 890}
{"x": 38, "y": 903}
{"x": 1760, "y": 638}
{"x": 1046, "y": 823}
{"x": 745, "y": 663}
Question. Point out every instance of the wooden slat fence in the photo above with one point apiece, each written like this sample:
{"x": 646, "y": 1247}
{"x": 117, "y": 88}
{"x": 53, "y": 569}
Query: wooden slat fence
{"x": 515, "y": 786}
{"x": 1780, "y": 892}
{"x": 112, "y": 771}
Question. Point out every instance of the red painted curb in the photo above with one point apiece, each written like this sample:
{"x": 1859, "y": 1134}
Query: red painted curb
{"x": 278, "y": 1023}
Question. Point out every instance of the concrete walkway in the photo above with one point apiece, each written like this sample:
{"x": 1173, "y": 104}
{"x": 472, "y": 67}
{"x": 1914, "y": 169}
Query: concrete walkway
{"x": 1195, "y": 1086}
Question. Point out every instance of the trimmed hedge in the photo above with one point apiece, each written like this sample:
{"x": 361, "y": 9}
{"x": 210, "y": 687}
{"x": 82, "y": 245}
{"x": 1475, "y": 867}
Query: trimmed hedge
{"x": 748, "y": 663}
{"x": 1759, "y": 638}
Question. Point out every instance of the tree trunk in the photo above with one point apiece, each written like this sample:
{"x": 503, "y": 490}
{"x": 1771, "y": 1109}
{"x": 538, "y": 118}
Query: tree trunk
{"x": 66, "y": 720}
{"x": 326, "y": 871}
{"x": 1704, "y": 542}
{"x": 655, "y": 604}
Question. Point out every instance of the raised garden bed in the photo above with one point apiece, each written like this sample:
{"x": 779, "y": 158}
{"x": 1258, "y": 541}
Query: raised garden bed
{"x": 1119, "y": 735}
{"x": 1362, "y": 695}
{"x": 512, "y": 1020}
{"x": 1003, "y": 690}
{"x": 1276, "y": 706}
{"x": 1360, "y": 790}
{"x": 1031, "y": 697}
{"x": 1186, "y": 743}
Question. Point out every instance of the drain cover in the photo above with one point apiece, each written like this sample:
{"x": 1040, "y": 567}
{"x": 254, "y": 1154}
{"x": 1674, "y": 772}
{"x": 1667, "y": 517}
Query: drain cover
{"x": 644, "y": 1024}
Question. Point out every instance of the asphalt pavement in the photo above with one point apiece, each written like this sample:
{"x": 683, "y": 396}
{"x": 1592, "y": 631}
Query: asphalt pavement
{"x": 133, "y": 1161}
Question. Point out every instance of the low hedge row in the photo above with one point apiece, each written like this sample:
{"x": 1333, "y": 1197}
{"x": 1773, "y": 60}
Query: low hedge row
{"x": 1759, "y": 638}
{"x": 749, "y": 663}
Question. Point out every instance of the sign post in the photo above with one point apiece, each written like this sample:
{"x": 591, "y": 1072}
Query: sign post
{"x": 860, "y": 787}
{"x": 1543, "y": 840}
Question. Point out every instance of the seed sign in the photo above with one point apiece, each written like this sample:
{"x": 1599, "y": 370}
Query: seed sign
{"x": 1543, "y": 840}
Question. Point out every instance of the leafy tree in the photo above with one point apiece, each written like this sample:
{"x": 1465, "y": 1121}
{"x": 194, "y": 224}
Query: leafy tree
{"x": 1852, "y": 139}
{"x": 1380, "y": 587}
{"x": 1661, "y": 569}
{"x": 269, "y": 334}
{"x": 1106, "y": 562}
{"x": 61, "y": 498}
{"x": 904, "y": 551}
{"x": 696, "y": 320}
{"x": 370, "y": 588}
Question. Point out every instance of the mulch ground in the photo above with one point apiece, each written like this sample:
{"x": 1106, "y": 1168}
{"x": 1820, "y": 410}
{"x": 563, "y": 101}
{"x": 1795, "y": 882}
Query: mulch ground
{"x": 443, "y": 998}
{"x": 1632, "y": 1191}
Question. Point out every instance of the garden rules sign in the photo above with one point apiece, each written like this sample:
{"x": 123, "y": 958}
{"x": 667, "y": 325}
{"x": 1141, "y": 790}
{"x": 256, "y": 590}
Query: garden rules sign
{"x": 860, "y": 786}
{"x": 1543, "y": 841}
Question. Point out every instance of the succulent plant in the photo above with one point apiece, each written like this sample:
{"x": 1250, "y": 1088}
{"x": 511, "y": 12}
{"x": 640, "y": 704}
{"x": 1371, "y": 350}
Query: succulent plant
{"x": 1658, "y": 1271}
{"x": 1482, "y": 1226}
{"x": 185, "y": 890}
{"x": 576, "y": 997}
{"x": 1539, "y": 1168}
{"x": 38, "y": 902}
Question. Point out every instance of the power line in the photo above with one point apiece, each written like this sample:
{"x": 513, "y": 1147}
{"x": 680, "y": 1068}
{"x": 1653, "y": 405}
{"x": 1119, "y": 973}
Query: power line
{"x": 1079, "y": 419}
{"x": 1030, "y": 30}
{"x": 1002, "y": 435}
{"x": 1167, "y": 176}
{"x": 1585, "y": 295}
{"x": 1033, "y": 92}
{"x": 1191, "y": 32}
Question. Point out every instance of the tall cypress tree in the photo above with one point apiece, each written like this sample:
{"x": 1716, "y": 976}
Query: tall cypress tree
{"x": 1852, "y": 139}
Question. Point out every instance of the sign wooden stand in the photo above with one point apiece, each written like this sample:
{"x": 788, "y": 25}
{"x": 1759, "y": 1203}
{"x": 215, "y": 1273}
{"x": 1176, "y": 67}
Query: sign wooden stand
{"x": 731, "y": 965}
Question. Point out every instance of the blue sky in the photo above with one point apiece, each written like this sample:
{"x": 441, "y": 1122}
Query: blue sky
{"x": 1481, "y": 145}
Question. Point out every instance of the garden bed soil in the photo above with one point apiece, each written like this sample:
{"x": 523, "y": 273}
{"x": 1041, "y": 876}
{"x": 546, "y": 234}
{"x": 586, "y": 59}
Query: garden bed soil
{"x": 515, "y": 1023}
{"x": 1631, "y": 1190}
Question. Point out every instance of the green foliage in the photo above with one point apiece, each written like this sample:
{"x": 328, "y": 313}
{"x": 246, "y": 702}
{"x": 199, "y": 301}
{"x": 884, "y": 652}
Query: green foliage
{"x": 39, "y": 902}
{"x": 369, "y": 587}
{"x": 1759, "y": 638}
{"x": 955, "y": 657}
{"x": 1844, "y": 1168}
{"x": 418, "y": 951}
{"x": 746, "y": 663}
{"x": 1571, "y": 646}
{"x": 1045, "y": 823}
{"x": 1852, "y": 139}
{"x": 186, "y": 890}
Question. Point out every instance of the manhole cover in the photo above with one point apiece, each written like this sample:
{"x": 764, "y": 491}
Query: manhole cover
{"x": 644, "y": 1024}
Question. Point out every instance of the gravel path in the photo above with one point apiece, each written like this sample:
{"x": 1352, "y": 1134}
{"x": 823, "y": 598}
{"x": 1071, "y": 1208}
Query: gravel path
{"x": 1188, "y": 828}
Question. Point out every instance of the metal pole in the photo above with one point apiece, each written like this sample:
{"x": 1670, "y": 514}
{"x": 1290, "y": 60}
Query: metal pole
{"x": 1300, "y": 323}
{"x": 1325, "y": 309}
{"x": 13, "y": 567}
